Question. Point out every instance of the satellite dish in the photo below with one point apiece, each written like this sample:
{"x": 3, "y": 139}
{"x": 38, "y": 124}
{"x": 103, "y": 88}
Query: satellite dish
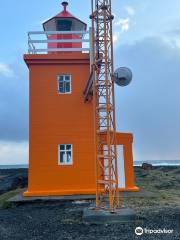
{"x": 123, "y": 76}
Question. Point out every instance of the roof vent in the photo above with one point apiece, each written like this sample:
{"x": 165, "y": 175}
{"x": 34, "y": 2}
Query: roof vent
{"x": 65, "y": 4}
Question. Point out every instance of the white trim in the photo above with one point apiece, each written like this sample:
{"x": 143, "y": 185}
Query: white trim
{"x": 60, "y": 41}
{"x": 65, "y": 164}
{"x": 34, "y": 39}
{"x": 41, "y": 50}
{"x": 64, "y": 74}
{"x": 56, "y": 32}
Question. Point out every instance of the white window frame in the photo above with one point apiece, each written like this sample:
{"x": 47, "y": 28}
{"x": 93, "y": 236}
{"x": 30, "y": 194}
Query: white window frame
{"x": 64, "y": 80}
{"x": 65, "y": 151}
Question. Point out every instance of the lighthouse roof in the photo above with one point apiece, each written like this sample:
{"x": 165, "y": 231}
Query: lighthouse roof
{"x": 63, "y": 15}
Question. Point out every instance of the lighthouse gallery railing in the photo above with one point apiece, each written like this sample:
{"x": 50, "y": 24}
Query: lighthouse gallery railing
{"x": 38, "y": 41}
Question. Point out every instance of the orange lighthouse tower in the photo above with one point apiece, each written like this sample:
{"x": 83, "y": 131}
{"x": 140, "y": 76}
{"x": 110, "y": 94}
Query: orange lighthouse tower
{"x": 61, "y": 131}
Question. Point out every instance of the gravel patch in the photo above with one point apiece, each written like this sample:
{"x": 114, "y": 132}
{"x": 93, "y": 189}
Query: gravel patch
{"x": 54, "y": 221}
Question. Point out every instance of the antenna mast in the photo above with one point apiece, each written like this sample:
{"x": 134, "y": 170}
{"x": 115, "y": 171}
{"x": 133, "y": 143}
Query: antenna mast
{"x": 104, "y": 105}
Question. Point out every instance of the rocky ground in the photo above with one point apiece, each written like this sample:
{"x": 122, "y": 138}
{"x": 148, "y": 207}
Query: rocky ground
{"x": 11, "y": 179}
{"x": 158, "y": 207}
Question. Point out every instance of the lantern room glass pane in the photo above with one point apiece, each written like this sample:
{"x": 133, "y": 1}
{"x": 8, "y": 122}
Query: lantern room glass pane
{"x": 64, "y": 25}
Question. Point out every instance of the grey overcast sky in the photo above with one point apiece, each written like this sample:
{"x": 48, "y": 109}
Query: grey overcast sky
{"x": 146, "y": 39}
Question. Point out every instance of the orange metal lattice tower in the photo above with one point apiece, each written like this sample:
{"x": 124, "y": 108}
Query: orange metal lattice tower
{"x": 104, "y": 104}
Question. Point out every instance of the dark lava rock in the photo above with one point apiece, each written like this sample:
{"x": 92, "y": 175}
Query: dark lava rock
{"x": 164, "y": 185}
{"x": 20, "y": 181}
{"x": 147, "y": 166}
{"x": 13, "y": 181}
{"x": 144, "y": 174}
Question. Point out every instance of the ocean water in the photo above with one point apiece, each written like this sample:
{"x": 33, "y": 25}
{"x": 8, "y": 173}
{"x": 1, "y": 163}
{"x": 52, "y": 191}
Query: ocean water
{"x": 17, "y": 166}
{"x": 158, "y": 162}
{"x": 136, "y": 163}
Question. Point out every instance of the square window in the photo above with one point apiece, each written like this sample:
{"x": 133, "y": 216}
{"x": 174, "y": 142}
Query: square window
{"x": 64, "y": 84}
{"x": 65, "y": 154}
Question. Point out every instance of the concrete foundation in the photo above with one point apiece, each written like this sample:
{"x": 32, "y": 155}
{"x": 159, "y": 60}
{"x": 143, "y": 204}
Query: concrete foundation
{"x": 19, "y": 198}
{"x": 92, "y": 216}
